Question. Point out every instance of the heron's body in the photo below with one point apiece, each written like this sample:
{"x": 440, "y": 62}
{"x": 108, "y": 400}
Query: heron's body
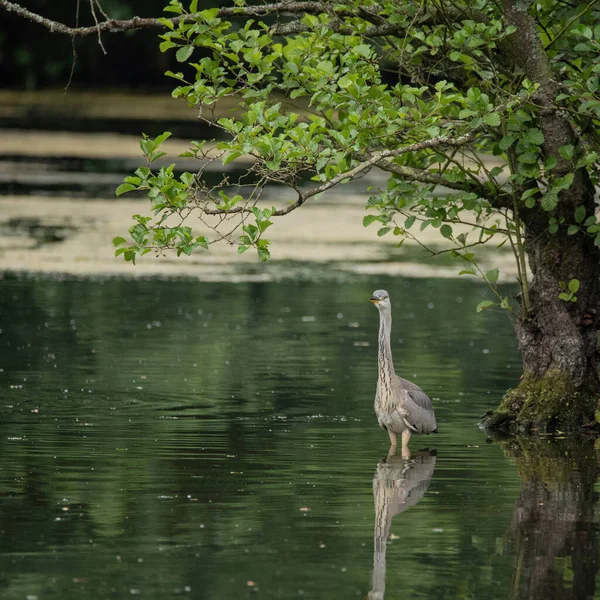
{"x": 401, "y": 406}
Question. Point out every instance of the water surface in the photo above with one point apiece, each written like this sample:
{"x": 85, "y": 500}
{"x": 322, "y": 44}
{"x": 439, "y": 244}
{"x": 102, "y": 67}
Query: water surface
{"x": 217, "y": 441}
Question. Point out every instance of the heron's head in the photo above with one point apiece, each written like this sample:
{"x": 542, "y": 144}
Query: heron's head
{"x": 381, "y": 299}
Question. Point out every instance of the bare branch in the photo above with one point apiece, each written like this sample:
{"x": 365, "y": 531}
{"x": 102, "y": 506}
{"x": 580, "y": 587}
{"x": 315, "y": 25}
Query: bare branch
{"x": 114, "y": 25}
{"x": 372, "y": 31}
{"x": 430, "y": 178}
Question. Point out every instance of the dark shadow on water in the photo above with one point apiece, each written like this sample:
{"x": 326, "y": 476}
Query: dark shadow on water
{"x": 398, "y": 484}
{"x": 552, "y": 533}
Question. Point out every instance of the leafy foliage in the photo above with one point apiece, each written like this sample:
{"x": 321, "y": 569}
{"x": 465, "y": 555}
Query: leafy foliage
{"x": 460, "y": 131}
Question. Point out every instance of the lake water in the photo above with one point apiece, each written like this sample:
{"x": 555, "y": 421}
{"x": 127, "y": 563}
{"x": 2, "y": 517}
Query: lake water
{"x": 178, "y": 439}
{"x": 217, "y": 441}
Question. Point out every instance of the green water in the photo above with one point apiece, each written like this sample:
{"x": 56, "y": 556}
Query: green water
{"x": 172, "y": 439}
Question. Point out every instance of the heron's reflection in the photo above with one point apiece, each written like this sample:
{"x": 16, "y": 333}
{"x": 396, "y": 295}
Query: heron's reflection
{"x": 398, "y": 484}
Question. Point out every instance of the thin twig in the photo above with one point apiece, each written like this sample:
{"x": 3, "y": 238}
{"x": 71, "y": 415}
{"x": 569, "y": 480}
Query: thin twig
{"x": 101, "y": 9}
{"x": 73, "y": 47}
{"x": 97, "y": 26}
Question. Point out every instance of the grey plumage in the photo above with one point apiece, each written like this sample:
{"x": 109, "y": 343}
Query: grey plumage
{"x": 401, "y": 406}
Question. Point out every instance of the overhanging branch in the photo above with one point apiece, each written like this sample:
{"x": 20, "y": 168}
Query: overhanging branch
{"x": 374, "y": 160}
{"x": 120, "y": 25}
{"x": 379, "y": 28}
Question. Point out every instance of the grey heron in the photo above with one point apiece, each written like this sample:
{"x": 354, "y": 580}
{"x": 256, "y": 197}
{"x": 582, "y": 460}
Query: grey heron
{"x": 401, "y": 406}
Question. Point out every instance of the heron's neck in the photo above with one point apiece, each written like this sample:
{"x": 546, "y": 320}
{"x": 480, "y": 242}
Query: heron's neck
{"x": 386, "y": 365}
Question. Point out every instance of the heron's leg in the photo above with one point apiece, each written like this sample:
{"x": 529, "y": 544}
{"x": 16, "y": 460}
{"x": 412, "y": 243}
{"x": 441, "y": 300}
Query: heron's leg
{"x": 405, "y": 438}
{"x": 392, "y": 442}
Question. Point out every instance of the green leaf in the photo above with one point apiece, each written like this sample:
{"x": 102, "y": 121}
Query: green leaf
{"x": 381, "y": 232}
{"x": 528, "y": 158}
{"x": 567, "y": 151}
{"x": 138, "y": 233}
{"x": 564, "y": 296}
{"x": 184, "y": 53}
{"x": 550, "y": 200}
{"x": 584, "y": 31}
{"x": 175, "y": 7}
{"x": 574, "y": 286}
{"x": 507, "y": 141}
{"x": 202, "y": 242}
{"x": 467, "y": 272}
{"x": 530, "y": 192}
{"x": 117, "y": 241}
{"x": 362, "y": 50}
{"x": 161, "y": 138}
{"x": 231, "y": 156}
{"x": 446, "y": 231}
{"x": 410, "y": 221}
{"x": 580, "y": 213}
{"x": 166, "y": 45}
{"x": 125, "y": 187}
{"x": 492, "y": 275}
{"x": 563, "y": 183}
{"x": 155, "y": 156}
{"x": 573, "y": 229}
{"x": 263, "y": 254}
{"x": 345, "y": 82}
{"x": 485, "y": 304}
{"x": 534, "y": 136}
{"x": 242, "y": 249}
{"x": 368, "y": 219}
{"x": 492, "y": 119}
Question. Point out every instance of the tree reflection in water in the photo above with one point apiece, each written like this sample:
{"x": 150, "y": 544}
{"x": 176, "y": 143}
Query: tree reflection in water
{"x": 552, "y": 532}
{"x": 398, "y": 484}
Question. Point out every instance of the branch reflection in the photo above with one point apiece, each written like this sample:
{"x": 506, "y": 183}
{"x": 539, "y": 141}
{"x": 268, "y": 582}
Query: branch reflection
{"x": 398, "y": 484}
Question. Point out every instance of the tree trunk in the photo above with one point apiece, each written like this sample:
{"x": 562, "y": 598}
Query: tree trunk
{"x": 557, "y": 337}
{"x": 560, "y": 386}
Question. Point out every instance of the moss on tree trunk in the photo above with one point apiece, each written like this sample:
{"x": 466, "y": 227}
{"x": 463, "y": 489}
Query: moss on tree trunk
{"x": 551, "y": 403}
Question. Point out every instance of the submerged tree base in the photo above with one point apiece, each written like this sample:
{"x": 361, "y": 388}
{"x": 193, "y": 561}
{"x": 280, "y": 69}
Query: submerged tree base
{"x": 546, "y": 405}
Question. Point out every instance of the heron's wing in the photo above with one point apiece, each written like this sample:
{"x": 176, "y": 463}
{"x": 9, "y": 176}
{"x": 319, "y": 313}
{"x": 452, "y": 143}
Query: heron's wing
{"x": 419, "y": 410}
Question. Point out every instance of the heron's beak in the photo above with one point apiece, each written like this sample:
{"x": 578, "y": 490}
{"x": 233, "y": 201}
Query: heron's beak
{"x": 373, "y": 300}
